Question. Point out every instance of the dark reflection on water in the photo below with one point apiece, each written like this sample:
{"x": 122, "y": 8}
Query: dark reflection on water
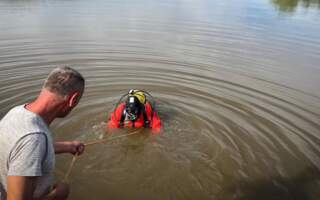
{"x": 291, "y": 5}
{"x": 303, "y": 186}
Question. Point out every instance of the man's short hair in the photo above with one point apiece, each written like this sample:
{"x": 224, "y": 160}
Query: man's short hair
{"x": 64, "y": 80}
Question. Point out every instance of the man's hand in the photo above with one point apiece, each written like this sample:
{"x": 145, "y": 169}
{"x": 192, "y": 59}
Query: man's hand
{"x": 61, "y": 190}
{"x": 73, "y": 147}
{"x": 76, "y": 147}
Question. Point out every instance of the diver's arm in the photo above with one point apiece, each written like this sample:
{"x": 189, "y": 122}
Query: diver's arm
{"x": 114, "y": 121}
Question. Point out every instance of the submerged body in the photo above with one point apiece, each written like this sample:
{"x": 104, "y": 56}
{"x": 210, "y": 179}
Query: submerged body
{"x": 135, "y": 113}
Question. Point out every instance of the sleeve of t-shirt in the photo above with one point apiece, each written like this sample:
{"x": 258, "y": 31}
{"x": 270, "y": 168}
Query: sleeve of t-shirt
{"x": 27, "y": 156}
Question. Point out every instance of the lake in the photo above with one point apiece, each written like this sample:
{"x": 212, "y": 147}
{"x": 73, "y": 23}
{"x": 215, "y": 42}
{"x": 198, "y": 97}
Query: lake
{"x": 236, "y": 84}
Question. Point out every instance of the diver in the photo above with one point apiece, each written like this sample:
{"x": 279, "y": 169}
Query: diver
{"x": 136, "y": 112}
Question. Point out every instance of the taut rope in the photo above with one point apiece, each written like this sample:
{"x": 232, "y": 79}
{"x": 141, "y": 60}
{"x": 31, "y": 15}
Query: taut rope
{"x": 66, "y": 178}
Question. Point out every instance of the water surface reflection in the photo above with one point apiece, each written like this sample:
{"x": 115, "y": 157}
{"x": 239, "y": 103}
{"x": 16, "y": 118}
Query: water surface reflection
{"x": 291, "y": 5}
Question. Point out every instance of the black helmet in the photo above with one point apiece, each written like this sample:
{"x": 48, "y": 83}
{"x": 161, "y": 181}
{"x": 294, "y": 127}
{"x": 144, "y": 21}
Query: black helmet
{"x": 133, "y": 108}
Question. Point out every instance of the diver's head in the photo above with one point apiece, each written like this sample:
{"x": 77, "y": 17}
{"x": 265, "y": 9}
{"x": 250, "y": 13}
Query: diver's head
{"x": 133, "y": 108}
{"x": 139, "y": 94}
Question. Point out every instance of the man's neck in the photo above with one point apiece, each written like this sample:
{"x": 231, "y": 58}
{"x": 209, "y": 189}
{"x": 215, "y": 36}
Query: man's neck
{"x": 43, "y": 113}
{"x": 46, "y": 106}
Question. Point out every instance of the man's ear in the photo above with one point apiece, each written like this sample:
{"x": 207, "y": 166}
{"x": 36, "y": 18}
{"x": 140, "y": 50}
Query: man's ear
{"x": 74, "y": 99}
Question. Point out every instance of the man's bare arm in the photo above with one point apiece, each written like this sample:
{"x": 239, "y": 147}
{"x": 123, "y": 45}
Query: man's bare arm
{"x": 20, "y": 187}
{"x": 73, "y": 147}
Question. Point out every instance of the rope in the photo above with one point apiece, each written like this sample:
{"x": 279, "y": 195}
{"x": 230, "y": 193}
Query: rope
{"x": 66, "y": 178}
{"x": 75, "y": 157}
{"x": 107, "y": 139}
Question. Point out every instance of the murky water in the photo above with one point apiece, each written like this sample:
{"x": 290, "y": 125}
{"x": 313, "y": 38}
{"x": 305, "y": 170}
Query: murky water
{"x": 237, "y": 86}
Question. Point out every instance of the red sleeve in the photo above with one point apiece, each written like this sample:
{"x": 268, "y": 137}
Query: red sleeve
{"x": 156, "y": 124}
{"x": 148, "y": 110}
{"x": 114, "y": 121}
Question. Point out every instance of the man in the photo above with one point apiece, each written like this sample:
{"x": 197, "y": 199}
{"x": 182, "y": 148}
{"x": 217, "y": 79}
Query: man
{"x": 26, "y": 146}
{"x": 136, "y": 112}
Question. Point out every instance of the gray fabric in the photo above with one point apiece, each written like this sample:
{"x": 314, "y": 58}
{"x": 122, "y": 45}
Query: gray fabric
{"x": 26, "y": 149}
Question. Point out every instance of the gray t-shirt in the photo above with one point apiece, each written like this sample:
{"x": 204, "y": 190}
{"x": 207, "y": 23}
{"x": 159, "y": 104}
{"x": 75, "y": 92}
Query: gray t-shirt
{"x": 26, "y": 149}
